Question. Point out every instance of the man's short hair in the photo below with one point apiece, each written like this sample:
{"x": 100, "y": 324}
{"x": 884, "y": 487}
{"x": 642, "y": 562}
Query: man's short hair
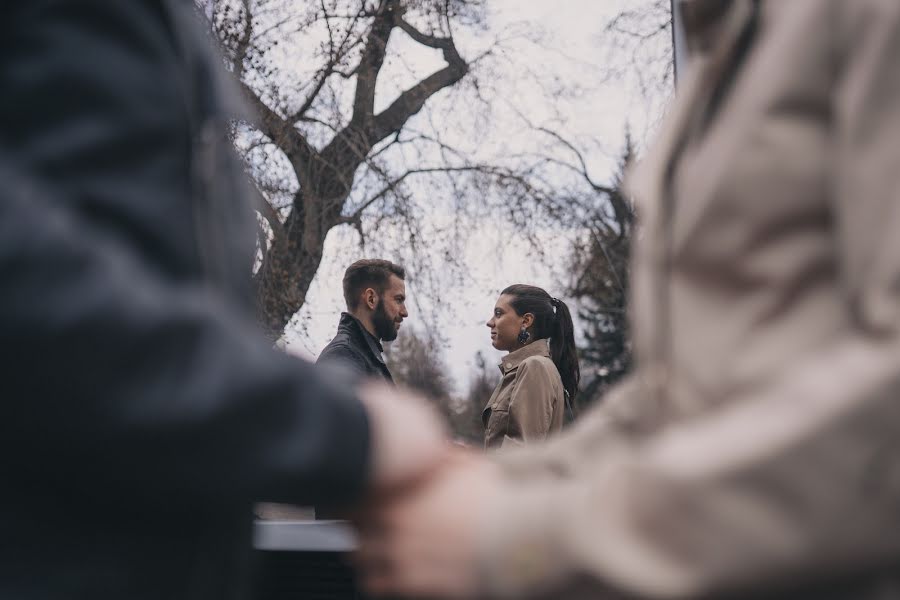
{"x": 368, "y": 273}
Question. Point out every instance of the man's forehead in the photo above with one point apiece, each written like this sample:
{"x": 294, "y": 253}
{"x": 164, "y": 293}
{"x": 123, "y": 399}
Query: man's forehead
{"x": 396, "y": 285}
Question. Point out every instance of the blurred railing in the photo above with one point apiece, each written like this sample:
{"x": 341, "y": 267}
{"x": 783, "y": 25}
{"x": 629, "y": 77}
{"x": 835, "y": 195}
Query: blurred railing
{"x": 304, "y": 560}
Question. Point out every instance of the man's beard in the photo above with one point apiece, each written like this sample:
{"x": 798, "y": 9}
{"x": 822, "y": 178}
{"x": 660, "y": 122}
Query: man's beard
{"x": 385, "y": 328}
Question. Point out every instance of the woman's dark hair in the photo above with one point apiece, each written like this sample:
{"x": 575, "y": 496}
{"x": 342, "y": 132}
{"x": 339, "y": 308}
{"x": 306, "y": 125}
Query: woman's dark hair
{"x": 553, "y": 320}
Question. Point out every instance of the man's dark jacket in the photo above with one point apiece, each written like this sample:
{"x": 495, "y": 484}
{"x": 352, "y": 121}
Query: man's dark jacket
{"x": 354, "y": 347}
{"x": 142, "y": 413}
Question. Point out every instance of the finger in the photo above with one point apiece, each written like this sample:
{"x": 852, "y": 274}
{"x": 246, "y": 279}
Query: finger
{"x": 378, "y": 584}
{"x": 375, "y": 567}
{"x": 374, "y": 552}
{"x": 387, "y": 571}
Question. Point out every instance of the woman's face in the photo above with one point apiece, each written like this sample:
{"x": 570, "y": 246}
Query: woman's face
{"x": 506, "y": 324}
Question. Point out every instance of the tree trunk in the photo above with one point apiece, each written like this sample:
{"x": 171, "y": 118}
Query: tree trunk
{"x": 286, "y": 274}
{"x": 326, "y": 176}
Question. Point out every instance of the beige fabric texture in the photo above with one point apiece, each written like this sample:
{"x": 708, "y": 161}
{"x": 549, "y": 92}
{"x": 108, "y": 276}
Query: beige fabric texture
{"x": 528, "y": 403}
{"x": 758, "y": 441}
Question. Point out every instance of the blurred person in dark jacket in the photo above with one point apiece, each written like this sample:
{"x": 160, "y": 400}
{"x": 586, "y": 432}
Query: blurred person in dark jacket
{"x": 375, "y": 293}
{"x": 143, "y": 413}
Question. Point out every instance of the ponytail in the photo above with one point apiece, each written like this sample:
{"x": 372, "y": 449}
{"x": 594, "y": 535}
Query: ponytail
{"x": 563, "y": 350}
{"x": 553, "y": 320}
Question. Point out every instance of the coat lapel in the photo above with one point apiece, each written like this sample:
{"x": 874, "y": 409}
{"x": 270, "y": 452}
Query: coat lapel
{"x": 714, "y": 28}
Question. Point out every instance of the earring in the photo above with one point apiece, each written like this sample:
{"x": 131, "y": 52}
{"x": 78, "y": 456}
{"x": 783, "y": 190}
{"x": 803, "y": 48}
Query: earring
{"x": 523, "y": 336}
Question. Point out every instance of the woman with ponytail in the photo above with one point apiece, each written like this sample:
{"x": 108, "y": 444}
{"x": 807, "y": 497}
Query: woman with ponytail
{"x": 540, "y": 373}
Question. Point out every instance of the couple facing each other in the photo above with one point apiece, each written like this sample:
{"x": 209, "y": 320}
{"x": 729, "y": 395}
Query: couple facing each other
{"x": 540, "y": 373}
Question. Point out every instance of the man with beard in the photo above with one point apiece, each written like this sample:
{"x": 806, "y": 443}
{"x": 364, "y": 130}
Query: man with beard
{"x": 375, "y": 293}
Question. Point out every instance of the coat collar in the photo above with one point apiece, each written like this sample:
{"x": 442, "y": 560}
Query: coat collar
{"x": 702, "y": 21}
{"x": 512, "y": 360}
{"x": 374, "y": 344}
{"x": 713, "y": 29}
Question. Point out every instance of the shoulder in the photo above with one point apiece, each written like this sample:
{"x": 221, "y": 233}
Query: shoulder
{"x": 341, "y": 348}
{"x": 537, "y": 364}
{"x": 538, "y": 368}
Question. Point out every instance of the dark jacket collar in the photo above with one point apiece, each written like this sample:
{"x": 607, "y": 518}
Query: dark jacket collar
{"x": 355, "y": 326}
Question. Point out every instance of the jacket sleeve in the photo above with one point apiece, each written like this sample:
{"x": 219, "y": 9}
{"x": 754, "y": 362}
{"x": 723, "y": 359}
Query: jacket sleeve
{"x": 120, "y": 384}
{"x": 531, "y": 402}
{"x": 709, "y": 505}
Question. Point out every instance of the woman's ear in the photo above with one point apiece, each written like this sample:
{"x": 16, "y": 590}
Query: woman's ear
{"x": 527, "y": 320}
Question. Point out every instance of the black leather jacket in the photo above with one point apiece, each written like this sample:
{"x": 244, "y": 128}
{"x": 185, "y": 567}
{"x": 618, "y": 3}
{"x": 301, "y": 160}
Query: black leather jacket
{"x": 354, "y": 347}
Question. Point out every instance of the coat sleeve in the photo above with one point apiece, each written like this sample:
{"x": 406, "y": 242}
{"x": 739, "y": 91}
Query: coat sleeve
{"x": 122, "y": 385}
{"x": 705, "y": 507}
{"x": 531, "y": 403}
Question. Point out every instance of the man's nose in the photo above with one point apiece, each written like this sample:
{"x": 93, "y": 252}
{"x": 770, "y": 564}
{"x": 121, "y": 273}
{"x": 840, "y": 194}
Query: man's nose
{"x": 403, "y": 312}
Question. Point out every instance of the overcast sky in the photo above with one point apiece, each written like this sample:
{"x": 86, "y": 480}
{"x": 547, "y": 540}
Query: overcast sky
{"x": 574, "y": 51}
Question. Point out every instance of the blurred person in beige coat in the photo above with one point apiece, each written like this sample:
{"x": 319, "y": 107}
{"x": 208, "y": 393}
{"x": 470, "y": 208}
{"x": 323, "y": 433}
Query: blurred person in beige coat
{"x": 540, "y": 373}
{"x": 756, "y": 449}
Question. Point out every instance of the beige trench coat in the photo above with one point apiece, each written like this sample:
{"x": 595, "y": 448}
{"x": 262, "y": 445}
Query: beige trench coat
{"x": 758, "y": 443}
{"x": 529, "y": 402}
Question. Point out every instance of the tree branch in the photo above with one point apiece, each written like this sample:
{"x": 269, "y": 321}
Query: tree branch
{"x": 268, "y": 212}
{"x": 621, "y": 209}
{"x": 314, "y": 93}
{"x": 335, "y": 53}
{"x": 411, "y": 101}
{"x": 583, "y": 164}
{"x": 282, "y": 133}
{"x": 243, "y": 42}
{"x": 444, "y": 44}
{"x": 392, "y": 185}
{"x": 372, "y": 60}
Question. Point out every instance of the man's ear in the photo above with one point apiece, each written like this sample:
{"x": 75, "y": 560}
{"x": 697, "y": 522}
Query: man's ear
{"x": 370, "y": 298}
{"x": 527, "y": 320}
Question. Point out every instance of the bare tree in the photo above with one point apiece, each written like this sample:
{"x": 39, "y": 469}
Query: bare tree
{"x": 642, "y": 36}
{"x": 327, "y": 150}
{"x": 343, "y": 134}
{"x": 324, "y": 136}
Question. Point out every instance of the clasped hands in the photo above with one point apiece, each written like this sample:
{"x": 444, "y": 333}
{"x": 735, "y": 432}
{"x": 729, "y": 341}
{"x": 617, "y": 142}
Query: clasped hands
{"x": 419, "y": 526}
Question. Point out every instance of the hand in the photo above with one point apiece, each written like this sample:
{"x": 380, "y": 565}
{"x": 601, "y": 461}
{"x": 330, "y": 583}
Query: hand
{"x": 408, "y": 440}
{"x": 424, "y": 542}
